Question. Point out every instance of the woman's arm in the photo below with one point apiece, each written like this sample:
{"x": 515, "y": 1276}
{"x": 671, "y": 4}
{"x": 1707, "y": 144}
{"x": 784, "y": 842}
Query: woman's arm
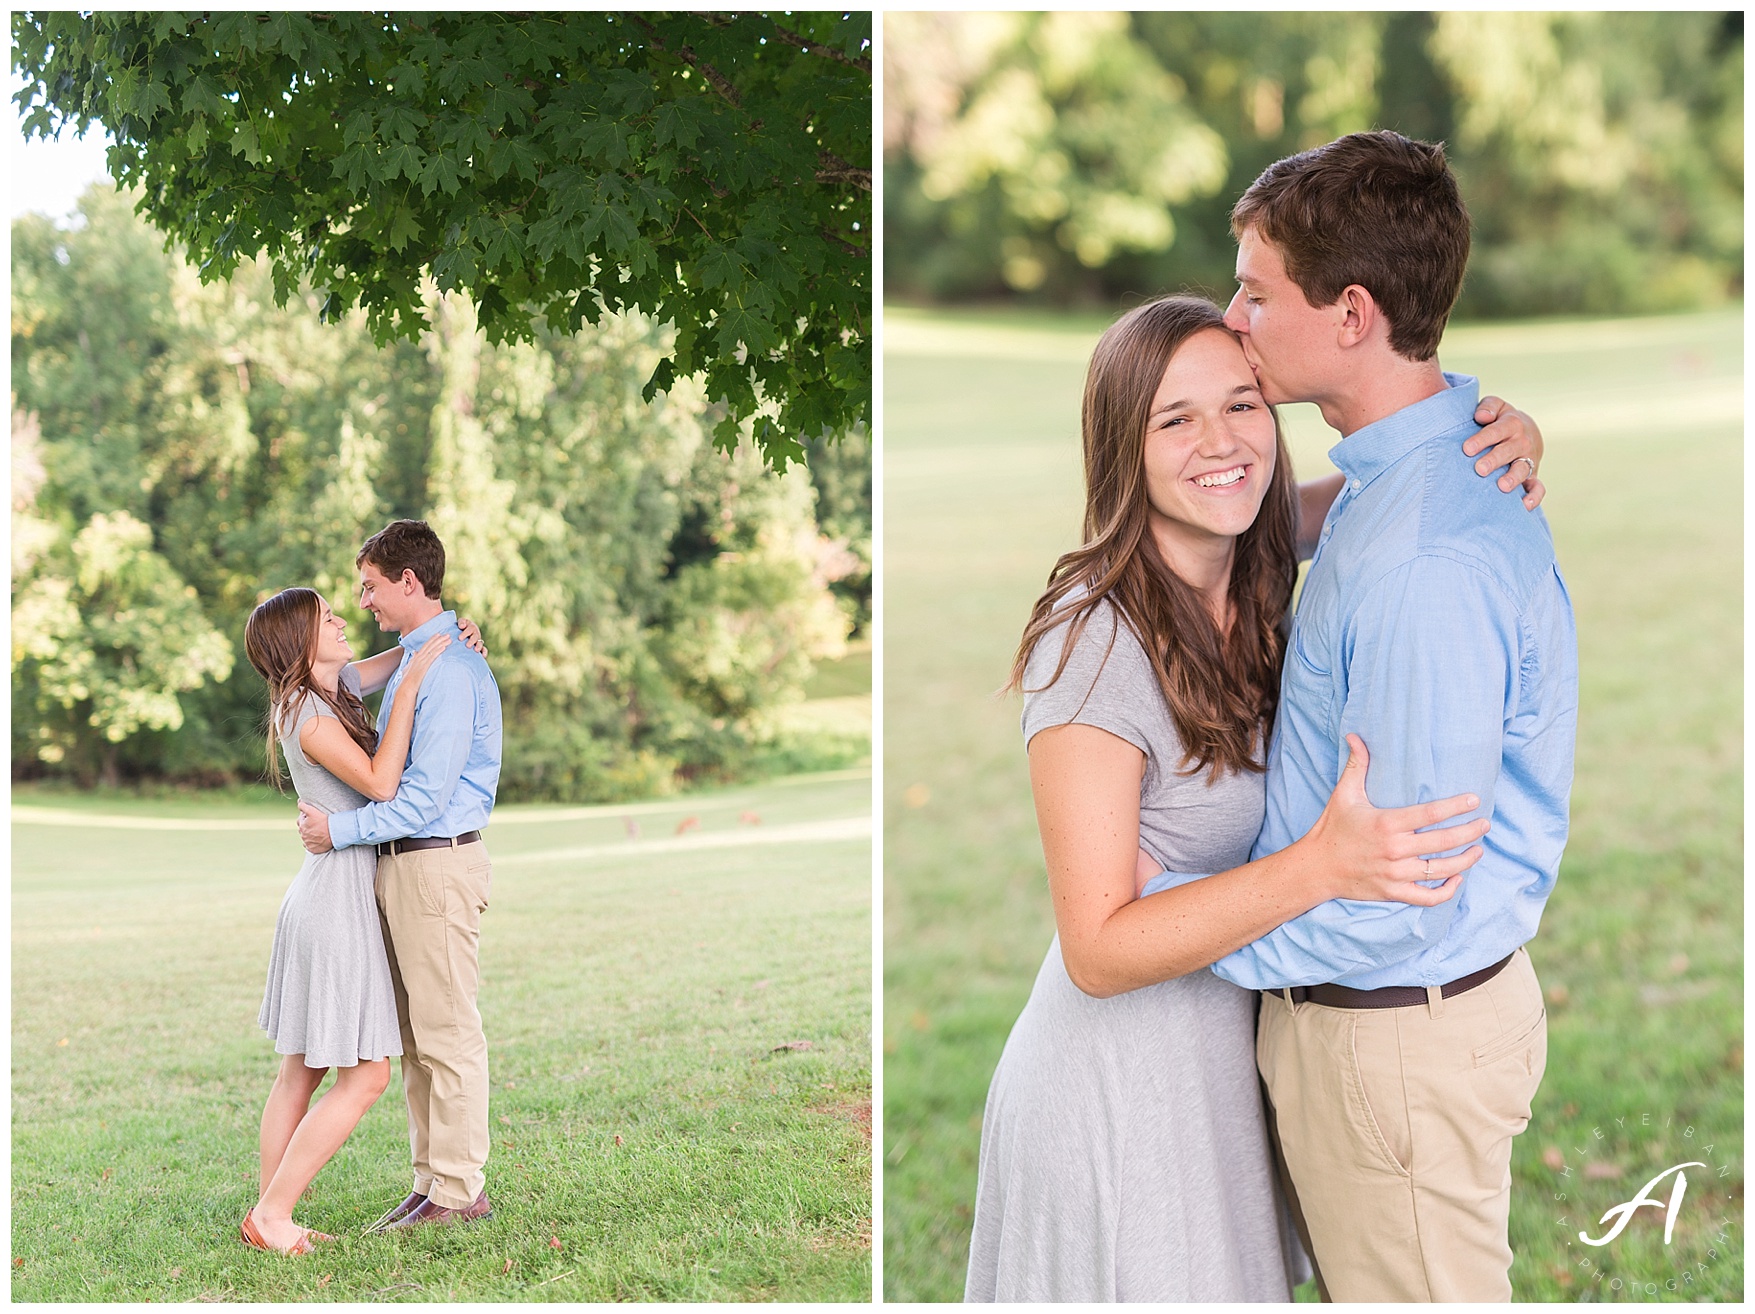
{"x": 375, "y": 671}
{"x": 376, "y": 776}
{"x": 1315, "y": 497}
{"x": 1508, "y": 435}
{"x": 1086, "y": 785}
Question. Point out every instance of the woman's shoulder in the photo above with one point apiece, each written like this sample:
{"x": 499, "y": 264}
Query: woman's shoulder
{"x": 302, "y": 706}
{"x": 1090, "y": 669}
{"x": 1091, "y": 639}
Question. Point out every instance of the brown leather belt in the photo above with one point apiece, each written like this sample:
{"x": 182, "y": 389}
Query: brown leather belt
{"x": 391, "y": 849}
{"x": 1340, "y": 996}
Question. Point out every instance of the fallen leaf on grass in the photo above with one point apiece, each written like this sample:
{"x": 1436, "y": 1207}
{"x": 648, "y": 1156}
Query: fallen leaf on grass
{"x": 793, "y": 1044}
{"x": 687, "y": 823}
{"x": 106, "y": 1176}
{"x": 325, "y": 1279}
{"x": 1603, "y": 1172}
{"x": 505, "y": 1121}
{"x": 507, "y": 1269}
{"x": 175, "y": 1272}
{"x": 61, "y": 1041}
{"x": 618, "y": 1140}
{"x": 554, "y": 1242}
{"x": 916, "y": 796}
{"x": 1553, "y": 1158}
{"x": 18, "y": 1261}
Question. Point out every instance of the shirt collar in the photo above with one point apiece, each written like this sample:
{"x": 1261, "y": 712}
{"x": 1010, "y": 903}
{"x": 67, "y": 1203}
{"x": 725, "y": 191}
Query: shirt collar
{"x": 1366, "y": 453}
{"x": 444, "y": 623}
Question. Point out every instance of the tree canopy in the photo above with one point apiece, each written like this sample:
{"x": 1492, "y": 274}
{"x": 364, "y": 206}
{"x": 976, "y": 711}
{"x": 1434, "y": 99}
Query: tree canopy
{"x": 709, "y": 170}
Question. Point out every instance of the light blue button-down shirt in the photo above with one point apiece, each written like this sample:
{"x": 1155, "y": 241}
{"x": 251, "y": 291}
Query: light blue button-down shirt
{"x": 454, "y": 760}
{"x": 1435, "y": 625}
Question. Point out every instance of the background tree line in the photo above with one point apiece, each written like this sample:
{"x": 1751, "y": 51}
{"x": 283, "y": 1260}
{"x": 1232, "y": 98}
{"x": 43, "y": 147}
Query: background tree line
{"x": 181, "y": 450}
{"x": 1077, "y": 157}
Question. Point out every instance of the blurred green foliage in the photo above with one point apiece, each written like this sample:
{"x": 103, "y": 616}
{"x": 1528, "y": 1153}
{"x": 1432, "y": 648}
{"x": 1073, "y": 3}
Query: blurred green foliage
{"x": 1080, "y": 157}
{"x": 181, "y": 450}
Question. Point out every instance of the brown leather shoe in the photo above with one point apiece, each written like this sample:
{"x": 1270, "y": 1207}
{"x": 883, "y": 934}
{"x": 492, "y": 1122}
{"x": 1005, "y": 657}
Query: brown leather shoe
{"x": 414, "y": 1200}
{"x": 429, "y": 1211}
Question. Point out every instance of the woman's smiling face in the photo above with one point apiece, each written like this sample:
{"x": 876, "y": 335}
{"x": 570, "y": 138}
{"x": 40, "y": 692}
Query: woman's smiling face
{"x": 1210, "y": 444}
{"x": 332, "y": 644}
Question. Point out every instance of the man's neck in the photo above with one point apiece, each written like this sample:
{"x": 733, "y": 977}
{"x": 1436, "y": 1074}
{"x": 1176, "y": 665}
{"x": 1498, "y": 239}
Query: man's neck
{"x": 428, "y": 610}
{"x": 1378, "y": 393}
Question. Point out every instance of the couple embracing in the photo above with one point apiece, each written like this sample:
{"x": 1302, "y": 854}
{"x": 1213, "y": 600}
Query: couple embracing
{"x": 1278, "y": 1020}
{"x": 375, "y": 945}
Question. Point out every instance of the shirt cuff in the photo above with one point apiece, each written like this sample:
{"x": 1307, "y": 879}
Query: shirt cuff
{"x": 344, "y": 829}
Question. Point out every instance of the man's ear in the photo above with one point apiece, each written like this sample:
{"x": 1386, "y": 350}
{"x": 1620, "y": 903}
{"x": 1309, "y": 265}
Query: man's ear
{"x": 410, "y": 584}
{"x": 1359, "y": 314}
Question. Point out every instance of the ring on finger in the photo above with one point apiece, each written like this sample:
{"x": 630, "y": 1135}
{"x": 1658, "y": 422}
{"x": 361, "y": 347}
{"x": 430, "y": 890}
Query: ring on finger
{"x": 1428, "y": 875}
{"x": 1526, "y": 460}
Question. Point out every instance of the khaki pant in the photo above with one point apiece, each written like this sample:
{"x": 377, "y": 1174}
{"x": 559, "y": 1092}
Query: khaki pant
{"x": 431, "y": 902}
{"x": 1396, "y": 1127}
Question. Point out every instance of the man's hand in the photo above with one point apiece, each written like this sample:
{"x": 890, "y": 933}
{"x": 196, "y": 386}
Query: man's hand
{"x": 314, "y": 829}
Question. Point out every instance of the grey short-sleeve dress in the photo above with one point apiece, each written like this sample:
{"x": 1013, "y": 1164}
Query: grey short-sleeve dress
{"x": 1123, "y": 1151}
{"x": 329, "y": 995}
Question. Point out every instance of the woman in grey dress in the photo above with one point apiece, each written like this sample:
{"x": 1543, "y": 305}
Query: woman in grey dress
{"x": 329, "y": 1002}
{"x": 1123, "y": 1150}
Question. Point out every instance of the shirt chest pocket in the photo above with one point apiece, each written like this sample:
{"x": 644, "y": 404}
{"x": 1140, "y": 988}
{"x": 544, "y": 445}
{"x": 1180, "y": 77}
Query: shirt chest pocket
{"x": 1307, "y": 688}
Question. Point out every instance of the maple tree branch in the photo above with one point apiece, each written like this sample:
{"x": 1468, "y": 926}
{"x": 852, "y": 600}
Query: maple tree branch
{"x": 818, "y": 48}
{"x": 713, "y": 76}
{"x": 836, "y": 169}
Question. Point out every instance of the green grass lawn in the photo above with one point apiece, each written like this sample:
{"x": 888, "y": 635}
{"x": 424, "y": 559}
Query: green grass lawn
{"x": 654, "y": 1136}
{"x": 1640, "y": 950}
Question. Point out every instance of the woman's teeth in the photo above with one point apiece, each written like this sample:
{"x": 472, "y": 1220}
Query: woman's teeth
{"x": 1219, "y": 479}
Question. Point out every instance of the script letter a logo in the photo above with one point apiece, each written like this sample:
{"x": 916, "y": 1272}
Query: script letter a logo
{"x": 1623, "y": 1213}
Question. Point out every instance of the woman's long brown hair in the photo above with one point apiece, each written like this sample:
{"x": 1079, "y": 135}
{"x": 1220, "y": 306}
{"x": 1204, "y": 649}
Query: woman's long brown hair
{"x": 280, "y": 639}
{"x": 1223, "y": 687}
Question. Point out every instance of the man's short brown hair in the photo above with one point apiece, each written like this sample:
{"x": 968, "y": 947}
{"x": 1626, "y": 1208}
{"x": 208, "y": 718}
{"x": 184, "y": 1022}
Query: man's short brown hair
{"x": 407, "y": 545}
{"x": 1371, "y": 208}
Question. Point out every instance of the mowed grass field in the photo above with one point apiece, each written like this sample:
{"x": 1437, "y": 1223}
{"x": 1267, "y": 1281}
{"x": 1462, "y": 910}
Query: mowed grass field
{"x": 1640, "y": 949}
{"x": 679, "y": 1031}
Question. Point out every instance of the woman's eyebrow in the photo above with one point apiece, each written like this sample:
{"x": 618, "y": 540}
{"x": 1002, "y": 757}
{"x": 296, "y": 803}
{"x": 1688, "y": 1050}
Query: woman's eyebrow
{"x": 1184, "y": 404}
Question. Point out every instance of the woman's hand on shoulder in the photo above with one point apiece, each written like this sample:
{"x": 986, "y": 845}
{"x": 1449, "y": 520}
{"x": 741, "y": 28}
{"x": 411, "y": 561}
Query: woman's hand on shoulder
{"x": 1371, "y": 853}
{"x": 471, "y": 635}
{"x": 1510, "y": 437}
{"x": 422, "y": 662}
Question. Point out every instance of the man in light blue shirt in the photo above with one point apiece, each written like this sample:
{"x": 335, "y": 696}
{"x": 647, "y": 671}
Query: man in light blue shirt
{"x": 1401, "y": 1045}
{"x": 433, "y": 877}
